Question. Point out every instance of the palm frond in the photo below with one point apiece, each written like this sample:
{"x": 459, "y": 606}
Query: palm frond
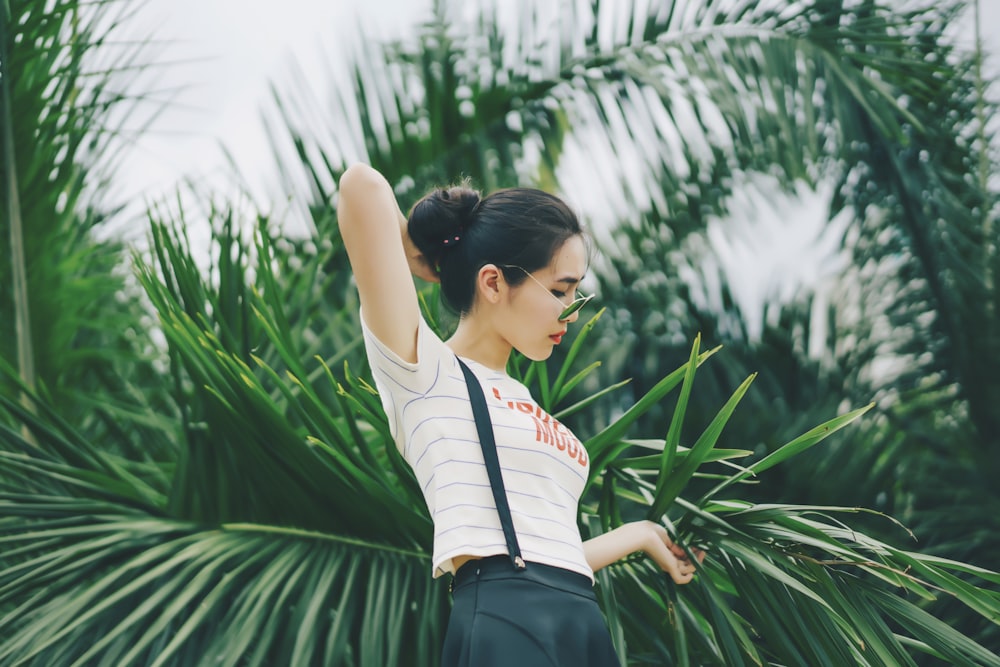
{"x": 62, "y": 63}
{"x": 284, "y": 527}
{"x": 290, "y": 531}
{"x": 167, "y": 592}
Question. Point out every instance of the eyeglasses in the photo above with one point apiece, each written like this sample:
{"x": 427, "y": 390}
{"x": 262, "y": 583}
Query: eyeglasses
{"x": 568, "y": 310}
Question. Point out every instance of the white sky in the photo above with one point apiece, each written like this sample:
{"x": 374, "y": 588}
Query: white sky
{"x": 224, "y": 54}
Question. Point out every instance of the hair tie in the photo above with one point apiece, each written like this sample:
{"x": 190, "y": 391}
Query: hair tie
{"x": 450, "y": 241}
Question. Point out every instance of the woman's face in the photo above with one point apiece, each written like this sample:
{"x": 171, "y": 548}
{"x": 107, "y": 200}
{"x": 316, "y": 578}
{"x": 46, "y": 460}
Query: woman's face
{"x": 530, "y": 321}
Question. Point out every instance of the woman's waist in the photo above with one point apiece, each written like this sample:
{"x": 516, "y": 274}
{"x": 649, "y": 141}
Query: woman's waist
{"x": 499, "y": 567}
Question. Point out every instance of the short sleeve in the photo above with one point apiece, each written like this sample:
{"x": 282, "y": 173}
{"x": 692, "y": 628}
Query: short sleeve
{"x": 399, "y": 380}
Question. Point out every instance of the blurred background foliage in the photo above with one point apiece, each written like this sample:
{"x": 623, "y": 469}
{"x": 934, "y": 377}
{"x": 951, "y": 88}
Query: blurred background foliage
{"x": 202, "y": 437}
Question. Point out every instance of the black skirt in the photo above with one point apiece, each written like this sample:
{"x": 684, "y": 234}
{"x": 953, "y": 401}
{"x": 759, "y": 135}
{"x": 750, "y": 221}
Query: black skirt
{"x": 542, "y": 616}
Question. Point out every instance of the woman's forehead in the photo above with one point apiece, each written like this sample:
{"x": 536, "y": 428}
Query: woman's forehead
{"x": 569, "y": 262}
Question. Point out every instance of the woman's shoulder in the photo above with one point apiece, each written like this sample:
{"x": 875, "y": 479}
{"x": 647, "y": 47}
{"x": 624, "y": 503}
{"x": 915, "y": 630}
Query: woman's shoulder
{"x": 432, "y": 352}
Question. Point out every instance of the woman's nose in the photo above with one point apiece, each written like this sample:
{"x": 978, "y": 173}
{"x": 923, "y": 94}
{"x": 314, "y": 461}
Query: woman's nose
{"x": 573, "y": 317}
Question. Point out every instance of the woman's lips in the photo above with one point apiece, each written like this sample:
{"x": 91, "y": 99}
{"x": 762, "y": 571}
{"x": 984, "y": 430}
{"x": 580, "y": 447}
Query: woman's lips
{"x": 557, "y": 337}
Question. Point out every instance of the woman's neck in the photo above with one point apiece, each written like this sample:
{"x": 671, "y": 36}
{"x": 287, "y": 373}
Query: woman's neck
{"x": 476, "y": 339}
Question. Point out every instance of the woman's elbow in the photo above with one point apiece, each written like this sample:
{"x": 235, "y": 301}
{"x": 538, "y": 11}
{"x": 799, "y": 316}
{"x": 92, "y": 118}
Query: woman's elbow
{"x": 358, "y": 177}
{"x": 355, "y": 187}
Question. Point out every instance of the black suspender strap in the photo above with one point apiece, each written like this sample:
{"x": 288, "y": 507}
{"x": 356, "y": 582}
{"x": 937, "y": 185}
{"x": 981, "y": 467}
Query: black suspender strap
{"x": 485, "y": 427}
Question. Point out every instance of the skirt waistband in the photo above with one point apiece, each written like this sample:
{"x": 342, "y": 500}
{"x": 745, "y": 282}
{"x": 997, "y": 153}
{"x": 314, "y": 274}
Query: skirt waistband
{"x": 495, "y": 568}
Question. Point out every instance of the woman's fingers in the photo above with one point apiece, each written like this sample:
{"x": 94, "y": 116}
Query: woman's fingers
{"x": 673, "y": 558}
{"x": 680, "y": 569}
{"x": 682, "y": 577}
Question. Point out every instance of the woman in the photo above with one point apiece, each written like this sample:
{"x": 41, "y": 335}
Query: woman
{"x": 509, "y": 265}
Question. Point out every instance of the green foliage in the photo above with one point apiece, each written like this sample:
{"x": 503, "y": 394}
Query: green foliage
{"x": 290, "y": 530}
{"x": 88, "y": 332}
{"x": 275, "y": 521}
{"x": 911, "y": 323}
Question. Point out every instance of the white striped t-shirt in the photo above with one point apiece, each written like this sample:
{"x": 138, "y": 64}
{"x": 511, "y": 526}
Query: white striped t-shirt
{"x": 544, "y": 466}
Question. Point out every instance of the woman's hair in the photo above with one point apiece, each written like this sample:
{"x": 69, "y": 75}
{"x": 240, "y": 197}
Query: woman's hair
{"x": 459, "y": 232}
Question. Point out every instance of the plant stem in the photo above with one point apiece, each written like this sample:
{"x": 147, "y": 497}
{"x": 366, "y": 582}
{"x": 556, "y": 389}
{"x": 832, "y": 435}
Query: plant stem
{"x": 19, "y": 279}
{"x": 984, "y": 168}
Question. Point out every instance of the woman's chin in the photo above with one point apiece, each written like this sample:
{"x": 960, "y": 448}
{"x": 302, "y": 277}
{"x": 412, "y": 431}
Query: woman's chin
{"x": 537, "y": 354}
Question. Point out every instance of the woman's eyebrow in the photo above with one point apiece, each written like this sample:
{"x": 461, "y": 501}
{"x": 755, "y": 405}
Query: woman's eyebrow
{"x": 569, "y": 280}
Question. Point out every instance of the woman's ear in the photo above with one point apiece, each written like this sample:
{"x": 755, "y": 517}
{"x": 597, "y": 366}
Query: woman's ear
{"x": 490, "y": 283}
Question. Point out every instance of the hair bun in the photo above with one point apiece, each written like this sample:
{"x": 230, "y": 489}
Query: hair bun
{"x": 438, "y": 221}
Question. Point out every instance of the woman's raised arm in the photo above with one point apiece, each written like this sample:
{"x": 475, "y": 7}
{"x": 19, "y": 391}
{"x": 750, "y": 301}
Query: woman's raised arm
{"x": 382, "y": 258}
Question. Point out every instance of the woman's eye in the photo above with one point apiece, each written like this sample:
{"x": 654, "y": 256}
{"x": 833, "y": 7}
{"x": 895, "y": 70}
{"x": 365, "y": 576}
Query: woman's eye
{"x": 558, "y": 294}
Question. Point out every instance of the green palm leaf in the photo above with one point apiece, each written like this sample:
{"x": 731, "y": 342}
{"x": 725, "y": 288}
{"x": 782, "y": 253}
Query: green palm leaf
{"x": 286, "y": 529}
{"x": 72, "y": 324}
{"x": 272, "y": 523}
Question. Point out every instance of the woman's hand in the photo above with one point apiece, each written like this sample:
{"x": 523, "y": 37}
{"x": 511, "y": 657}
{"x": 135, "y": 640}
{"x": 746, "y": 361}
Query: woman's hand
{"x": 648, "y": 537}
{"x": 671, "y": 557}
{"x": 419, "y": 266}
